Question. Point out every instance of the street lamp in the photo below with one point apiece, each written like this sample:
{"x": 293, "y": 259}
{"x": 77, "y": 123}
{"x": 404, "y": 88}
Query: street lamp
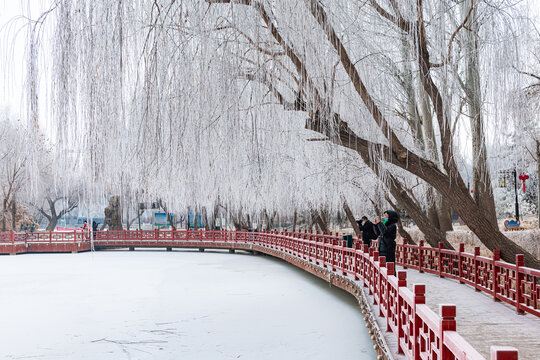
{"x": 516, "y": 192}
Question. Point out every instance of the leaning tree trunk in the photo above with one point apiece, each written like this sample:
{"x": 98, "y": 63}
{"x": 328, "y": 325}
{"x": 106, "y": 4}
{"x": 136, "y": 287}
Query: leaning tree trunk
{"x": 317, "y": 219}
{"x": 482, "y": 189}
{"x": 432, "y": 234}
{"x": 401, "y": 230}
{"x": 351, "y": 218}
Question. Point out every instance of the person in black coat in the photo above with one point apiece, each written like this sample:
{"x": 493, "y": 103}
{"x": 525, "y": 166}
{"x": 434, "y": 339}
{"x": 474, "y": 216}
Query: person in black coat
{"x": 368, "y": 230}
{"x": 387, "y": 230}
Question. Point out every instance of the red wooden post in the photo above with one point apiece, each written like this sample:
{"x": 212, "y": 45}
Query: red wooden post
{"x": 476, "y": 277}
{"x": 504, "y": 353}
{"x": 333, "y": 263}
{"x": 12, "y": 237}
{"x": 356, "y": 261}
{"x": 519, "y": 283}
{"x": 402, "y": 282}
{"x": 404, "y": 254}
{"x": 460, "y": 262}
{"x": 382, "y": 264}
{"x": 74, "y": 236}
{"x": 447, "y": 322}
{"x": 389, "y": 272}
{"x": 495, "y": 283}
{"x": 441, "y": 247}
{"x": 419, "y": 291}
{"x": 343, "y": 261}
{"x": 420, "y": 256}
{"x": 50, "y": 236}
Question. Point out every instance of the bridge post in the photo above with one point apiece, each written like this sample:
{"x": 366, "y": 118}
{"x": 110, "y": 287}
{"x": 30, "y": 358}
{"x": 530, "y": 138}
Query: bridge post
{"x": 476, "y": 277}
{"x": 496, "y": 257}
{"x": 520, "y": 262}
{"x": 402, "y": 282}
{"x": 201, "y": 249}
{"x": 404, "y": 254}
{"x": 504, "y": 353}
{"x": 132, "y": 248}
{"x": 231, "y": 251}
{"x": 169, "y": 248}
{"x": 441, "y": 247}
{"x": 382, "y": 264}
{"x": 460, "y": 262}
{"x": 447, "y": 322}
{"x": 390, "y": 271}
{"x": 420, "y": 256}
{"x": 419, "y": 291}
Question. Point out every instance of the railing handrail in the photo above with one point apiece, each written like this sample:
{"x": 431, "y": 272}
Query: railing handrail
{"x": 401, "y": 307}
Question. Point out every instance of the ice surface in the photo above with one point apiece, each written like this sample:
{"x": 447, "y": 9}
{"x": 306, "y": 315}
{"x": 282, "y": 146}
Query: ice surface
{"x": 173, "y": 305}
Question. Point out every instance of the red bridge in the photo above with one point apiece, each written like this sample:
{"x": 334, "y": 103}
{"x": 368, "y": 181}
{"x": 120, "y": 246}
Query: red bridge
{"x": 402, "y": 325}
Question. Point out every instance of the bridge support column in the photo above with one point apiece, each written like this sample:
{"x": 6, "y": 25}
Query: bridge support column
{"x": 201, "y": 249}
{"x": 12, "y": 253}
{"x": 74, "y": 252}
{"x": 231, "y": 251}
{"x": 132, "y": 248}
{"x": 169, "y": 248}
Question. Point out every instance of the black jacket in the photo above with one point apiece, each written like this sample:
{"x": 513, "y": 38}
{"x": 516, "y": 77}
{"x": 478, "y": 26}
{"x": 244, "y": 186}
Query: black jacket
{"x": 387, "y": 236}
{"x": 368, "y": 232}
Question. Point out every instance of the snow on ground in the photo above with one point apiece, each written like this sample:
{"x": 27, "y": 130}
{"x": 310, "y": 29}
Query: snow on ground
{"x": 173, "y": 305}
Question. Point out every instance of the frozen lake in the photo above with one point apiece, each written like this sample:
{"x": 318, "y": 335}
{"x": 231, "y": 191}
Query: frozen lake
{"x": 173, "y": 305}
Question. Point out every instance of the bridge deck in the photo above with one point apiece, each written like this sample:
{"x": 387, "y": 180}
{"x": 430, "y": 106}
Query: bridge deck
{"x": 481, "y": 321}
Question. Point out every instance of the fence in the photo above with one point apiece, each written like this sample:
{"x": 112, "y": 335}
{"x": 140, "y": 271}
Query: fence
{"x": 420, "y": 332}
{"x": 514, "y": 284}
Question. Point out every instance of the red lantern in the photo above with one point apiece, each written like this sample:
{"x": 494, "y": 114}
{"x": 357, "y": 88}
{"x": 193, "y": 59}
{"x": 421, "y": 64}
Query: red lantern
{"x": 523, "y": 177}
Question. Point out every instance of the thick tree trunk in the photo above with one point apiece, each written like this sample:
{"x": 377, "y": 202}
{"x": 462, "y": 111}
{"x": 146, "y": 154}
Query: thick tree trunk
{"x": 351, "y": 218}
{"x": 294, "y": 221}
{"x": 445, "y": 215}
{"x": 482, "y": 189}
{"x": 52, "y": 223}
{"x": 432, "y": 235}
{"x": 401, "y": 230}
{"x": 317, "y": 219}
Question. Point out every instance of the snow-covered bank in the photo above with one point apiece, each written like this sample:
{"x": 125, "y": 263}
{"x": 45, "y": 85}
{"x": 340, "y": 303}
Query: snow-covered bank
{"x": 173, "y": 305}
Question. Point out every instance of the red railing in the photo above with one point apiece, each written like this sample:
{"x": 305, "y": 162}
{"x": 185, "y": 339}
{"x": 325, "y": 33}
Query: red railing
{"x": 514, "y": 284}
{"x": 420, "y": 332}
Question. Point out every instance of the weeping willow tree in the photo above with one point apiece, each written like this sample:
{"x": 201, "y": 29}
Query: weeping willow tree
{"x": 258, "y": 106}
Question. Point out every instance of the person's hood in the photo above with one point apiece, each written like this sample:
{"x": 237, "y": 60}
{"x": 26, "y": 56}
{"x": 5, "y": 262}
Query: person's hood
{"x": 392, "y": 217}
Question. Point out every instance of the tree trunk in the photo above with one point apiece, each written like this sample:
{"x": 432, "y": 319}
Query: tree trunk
{"x": 317, "y": 219}
{"x": 445, "y": 215}
{"x": 13, "y": 214}
{"x": 482, "y": 189}
{"x": 402, "y": 232}
{"x": 52, "y": 223}
{"x": 294, "y": 221}
{"x": 351, "y": 218}
{"x": 432, "y": 234}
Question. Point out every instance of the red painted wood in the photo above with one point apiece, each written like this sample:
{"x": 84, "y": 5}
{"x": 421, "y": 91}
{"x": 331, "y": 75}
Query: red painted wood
{"x": 421, "y": 333}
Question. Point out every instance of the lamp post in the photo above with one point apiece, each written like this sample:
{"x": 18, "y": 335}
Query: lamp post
{"x": 516, "y": 192}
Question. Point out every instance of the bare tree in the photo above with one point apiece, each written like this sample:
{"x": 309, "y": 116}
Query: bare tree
{"x": 52, "y": 214}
